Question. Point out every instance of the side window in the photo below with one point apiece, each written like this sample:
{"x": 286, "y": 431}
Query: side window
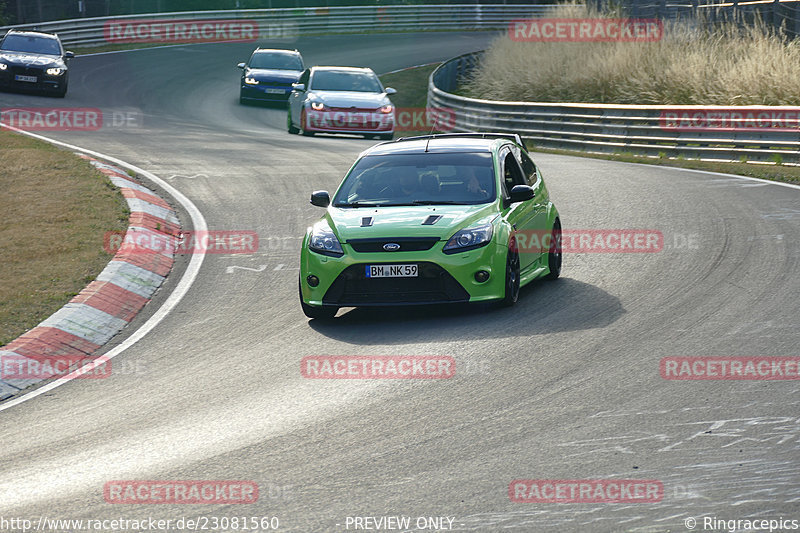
{"x": 529, "y": 169}
{"x": 512, "y": 175}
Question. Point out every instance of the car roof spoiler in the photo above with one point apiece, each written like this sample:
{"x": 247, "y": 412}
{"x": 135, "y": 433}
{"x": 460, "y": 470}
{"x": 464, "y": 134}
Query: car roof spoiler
{"x": 510, "y": 136}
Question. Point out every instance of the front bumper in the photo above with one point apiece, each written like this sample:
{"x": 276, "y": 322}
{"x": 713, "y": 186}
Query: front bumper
{"x": 340, "y": 121}
{"x": 442, "y": 278}
{"x": 44, "y": 82}
{"x": 264, "y": 92}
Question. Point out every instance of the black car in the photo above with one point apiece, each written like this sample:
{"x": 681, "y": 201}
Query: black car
{"x": 269, "y": 74}
{"x": 32, "y": 60}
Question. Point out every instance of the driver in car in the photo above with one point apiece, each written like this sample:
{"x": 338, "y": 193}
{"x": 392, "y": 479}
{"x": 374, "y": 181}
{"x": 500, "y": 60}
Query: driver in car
{"x": 408, "y": 184}
{"x": 477, "y": 184}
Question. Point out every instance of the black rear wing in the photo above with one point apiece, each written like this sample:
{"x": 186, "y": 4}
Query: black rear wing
{"x": 510, "y": 136}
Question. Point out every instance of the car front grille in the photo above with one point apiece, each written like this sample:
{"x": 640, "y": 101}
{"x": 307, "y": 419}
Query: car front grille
{"x": 18, "y": 70}
{"x": 407, "y": 244}
{"x": 433, "y": 285}
{"x": 355, "y": 109}
{"x": 26, "y": 71}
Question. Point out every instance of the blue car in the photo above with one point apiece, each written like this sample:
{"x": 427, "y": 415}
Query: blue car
{"x": 269, "y": 74}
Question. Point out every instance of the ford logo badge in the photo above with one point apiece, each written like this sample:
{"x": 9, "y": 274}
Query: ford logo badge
{"x": 391, "y": 246}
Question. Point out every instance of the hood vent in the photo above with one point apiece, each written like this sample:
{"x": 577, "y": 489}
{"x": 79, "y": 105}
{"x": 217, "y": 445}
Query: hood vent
{"x": 431, "y": 220}
{"x": 366, "y": 222}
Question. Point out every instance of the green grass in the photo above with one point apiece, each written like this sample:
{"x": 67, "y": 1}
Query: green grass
{"x": 764, "y": 171}
{"x": 56, "y": 208}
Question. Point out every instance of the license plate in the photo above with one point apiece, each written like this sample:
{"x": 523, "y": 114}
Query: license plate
{"x": 275, "y": 91}
{"x": 31, "y": 79}
{"x": 392, "y": 271}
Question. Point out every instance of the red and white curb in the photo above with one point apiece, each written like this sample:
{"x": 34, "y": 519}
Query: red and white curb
{"x": 108, "y": 304}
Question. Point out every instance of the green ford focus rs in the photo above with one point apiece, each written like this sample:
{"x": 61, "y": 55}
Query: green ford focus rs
{"x": 431, "y": 220}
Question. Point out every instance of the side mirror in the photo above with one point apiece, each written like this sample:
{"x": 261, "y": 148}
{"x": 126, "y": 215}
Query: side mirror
{"x": 320, "y": 198}
{"x": 68, "y": 54}
{"x": 390, "y": 90}
{"x": 241, "y": 66}
{"x": 299, "y": 87}
{"x": 521, "y": 193}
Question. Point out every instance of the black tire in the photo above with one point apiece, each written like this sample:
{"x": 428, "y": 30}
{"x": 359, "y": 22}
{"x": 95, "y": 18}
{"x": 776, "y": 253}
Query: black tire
{"x": 554, "y": 255}
{"x": 386, "y": 136}
{"x": 62, "y": 93}
{"x": 312, "y": 311}
{"x": 512, "y": 277}
{"x": 289, "y": 126}
{"x": 241, "y": 100}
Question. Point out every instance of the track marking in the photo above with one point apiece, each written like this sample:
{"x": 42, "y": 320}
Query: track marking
{"x": 193, "y": 176}
{"x": 183, "y": 286}
{"x": 229, "y": 270}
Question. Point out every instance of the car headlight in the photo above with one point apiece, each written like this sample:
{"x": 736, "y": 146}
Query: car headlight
{"x": 250, "y": 81}
{"x": 323, "y": 241}
{"x": 317, "y": 106}
{"x": 387, "y": 108}
{"x": 56, "y": 71}
{"x": 3, "y": 66}
{"x": 469, "y": 239}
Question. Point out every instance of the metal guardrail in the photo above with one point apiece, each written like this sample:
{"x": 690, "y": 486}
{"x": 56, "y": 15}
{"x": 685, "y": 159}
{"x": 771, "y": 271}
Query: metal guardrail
{"x": 610, "y": 128}
{"x": 288, "y": 23}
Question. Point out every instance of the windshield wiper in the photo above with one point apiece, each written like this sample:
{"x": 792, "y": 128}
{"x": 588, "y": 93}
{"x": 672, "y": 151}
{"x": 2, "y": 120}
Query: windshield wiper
{"x": 436, "y": 202}
{"x": 358, "y": 204}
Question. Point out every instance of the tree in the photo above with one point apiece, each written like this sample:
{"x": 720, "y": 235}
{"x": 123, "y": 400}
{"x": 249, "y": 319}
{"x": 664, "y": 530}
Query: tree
{"x": 5, "y": 16}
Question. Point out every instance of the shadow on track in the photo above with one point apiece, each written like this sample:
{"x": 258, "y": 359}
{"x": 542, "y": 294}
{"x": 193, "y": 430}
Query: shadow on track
{"x": 543, "y": 307}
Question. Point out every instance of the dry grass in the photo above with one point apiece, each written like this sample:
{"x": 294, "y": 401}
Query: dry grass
{"x": 55, "y": 209}
{"x": 729, "y": 66}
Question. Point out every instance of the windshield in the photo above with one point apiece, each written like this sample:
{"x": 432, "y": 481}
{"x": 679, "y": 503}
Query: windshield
{"x": 333, "y": 80}
{"x": 31, "y": 44}
{"x": 276, "y": 61}
{"x": 419, "y": 179}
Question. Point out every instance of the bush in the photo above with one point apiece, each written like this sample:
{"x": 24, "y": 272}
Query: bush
{"x": 731, "y": 65}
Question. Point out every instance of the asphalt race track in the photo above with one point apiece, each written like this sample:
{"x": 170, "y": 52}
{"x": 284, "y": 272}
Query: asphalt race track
{"x": 565, "y": 385}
